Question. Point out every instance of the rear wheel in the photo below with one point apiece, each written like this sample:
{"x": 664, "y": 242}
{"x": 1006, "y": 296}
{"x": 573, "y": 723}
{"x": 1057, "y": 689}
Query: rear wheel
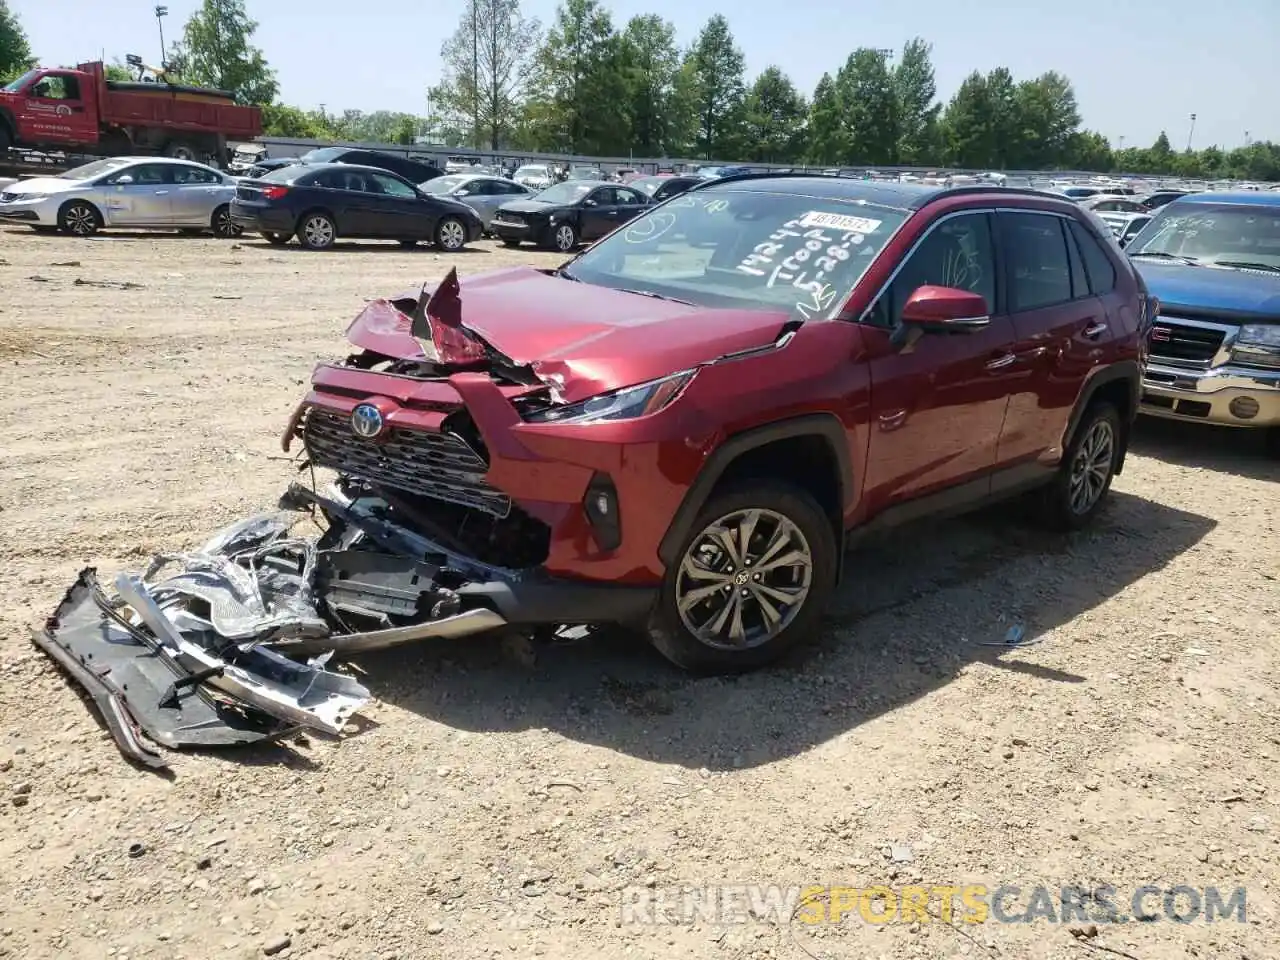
{"x": 451, "y": 234}
{"x": 1084, "y": 477}
{"x": 224, "y": 228}
{"x": 180, "y": 150}
{"x": 276, "y": 239}
{"x": 79, "y": 218}
{"x": 751, "y": 581}
{"x": 317, "y": 231}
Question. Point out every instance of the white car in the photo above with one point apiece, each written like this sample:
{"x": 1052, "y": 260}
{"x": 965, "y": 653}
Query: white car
{"x": 139, "y": 192}
{"x": 535, "y": 176}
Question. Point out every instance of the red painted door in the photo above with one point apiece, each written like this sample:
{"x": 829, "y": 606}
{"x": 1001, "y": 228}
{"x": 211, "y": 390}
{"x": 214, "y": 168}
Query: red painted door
{"x": 57, "y": 109}
{"x": 938, "y": 407}
{"x": 1062, "y": 331}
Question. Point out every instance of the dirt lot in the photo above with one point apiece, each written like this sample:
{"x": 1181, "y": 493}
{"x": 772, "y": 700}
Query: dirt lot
{"x": 496, "y": 807}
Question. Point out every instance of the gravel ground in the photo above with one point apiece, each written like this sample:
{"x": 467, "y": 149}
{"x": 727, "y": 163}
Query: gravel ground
{"x": 494, "y": 805}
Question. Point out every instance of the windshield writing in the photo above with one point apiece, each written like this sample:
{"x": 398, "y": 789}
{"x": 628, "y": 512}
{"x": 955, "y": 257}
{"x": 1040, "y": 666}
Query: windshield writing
{"x": 748, "y": 249}
{"x": 1213, "y": 233}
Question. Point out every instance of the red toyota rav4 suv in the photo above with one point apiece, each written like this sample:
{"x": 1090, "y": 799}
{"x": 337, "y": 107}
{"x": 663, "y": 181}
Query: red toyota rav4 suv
{"x": 683, "y": 426}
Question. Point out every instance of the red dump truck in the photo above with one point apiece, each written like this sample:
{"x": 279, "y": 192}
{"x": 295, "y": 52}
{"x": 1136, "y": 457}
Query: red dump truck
{"x": 81, "y": 112}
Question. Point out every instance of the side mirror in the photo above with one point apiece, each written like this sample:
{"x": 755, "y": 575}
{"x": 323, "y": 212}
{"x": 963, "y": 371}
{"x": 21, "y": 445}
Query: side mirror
{"x": 123, "y": 181}
{"x": 461, "y": 193}
{"x": 934, "y": 309}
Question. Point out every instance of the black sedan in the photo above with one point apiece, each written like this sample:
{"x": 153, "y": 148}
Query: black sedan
{"x": 568, "y": 213}
{"x": 414, "y": 171}
{"x": 320, "y": 202}
{"x": 660, "y": 188}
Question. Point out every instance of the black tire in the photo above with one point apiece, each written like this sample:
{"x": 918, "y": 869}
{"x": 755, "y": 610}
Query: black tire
{"x": 1272, "y": 441}
{"x": 563, "y": 237}
{"x": 316, "y": 230}
{"x": 451, "y": 235}
{"x": 673, "y": 637}
{"x": 223, "y": 227}
{"x": 1063, "y": 505}
{"x": 277, "y": 239}
{"x": 181, "y": 150}
{"x": 408, "y": 244}
{"x": 79, "y": 218}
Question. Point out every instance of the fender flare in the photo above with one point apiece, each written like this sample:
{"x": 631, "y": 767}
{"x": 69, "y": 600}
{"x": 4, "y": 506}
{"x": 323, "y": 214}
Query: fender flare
{"x": 824, "y": 425}
{"x": 1122, "y": 370}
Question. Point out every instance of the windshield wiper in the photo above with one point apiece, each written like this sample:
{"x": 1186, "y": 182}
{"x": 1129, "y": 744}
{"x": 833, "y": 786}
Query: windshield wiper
{"x": 1247, "y": 265}
{"x": 564, "y": 274}
{"x": 657, "y": 296}
{"x": 1167, "y": 256}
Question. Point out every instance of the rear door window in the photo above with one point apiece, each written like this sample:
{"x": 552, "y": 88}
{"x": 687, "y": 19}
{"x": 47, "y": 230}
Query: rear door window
{"x": 1039, "y": 268}
{"x": 1101, "y": 271}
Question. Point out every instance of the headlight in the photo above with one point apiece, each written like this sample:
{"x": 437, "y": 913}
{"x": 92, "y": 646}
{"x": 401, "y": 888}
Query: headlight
{"x": 18, "y": 197}
{"x": 625, "y": 404}
{"x": 1258, "y": 345}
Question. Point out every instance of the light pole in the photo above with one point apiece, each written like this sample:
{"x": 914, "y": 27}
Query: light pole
{"x": 1191, "y": 133}
{"x": 1121, "y": 147}
{"x": 1246, "y": 138}
{"x": 161, "y": 13}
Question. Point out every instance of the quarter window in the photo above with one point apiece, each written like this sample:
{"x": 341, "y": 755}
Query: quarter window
{"x": 954, "y": 253}
{"x": 1039, "y": 267}
{"x": 1102, "y": 272}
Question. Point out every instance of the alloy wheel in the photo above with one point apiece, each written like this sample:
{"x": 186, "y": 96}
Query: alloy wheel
{"x": 223, "y": 227}
{"x": 1091, "y": 468}
{"x": 318, "y": 231}
{"x": 453, "y": 236}
{"x": 81, "y": 220}
{"x": 564, "y": 238}
{"x": 744, "y": 579}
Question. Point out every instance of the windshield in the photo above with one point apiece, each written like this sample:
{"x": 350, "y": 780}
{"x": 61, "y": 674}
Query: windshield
{"x": 14, "y": 86}
{"x": 1213, "y": 233}
{"x": 91, "y": 170}
{"x": 568, "y": 192}
{"x": 648, "y": 184}
{"x": 322, "y": 154}
{"x": 444, "y": 184}
{"x": 744, "y": 249}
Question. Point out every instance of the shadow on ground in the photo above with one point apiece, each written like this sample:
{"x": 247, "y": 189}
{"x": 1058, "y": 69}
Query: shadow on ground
{"x": 1203, "y": 446}
{"x": 905, "y": 622}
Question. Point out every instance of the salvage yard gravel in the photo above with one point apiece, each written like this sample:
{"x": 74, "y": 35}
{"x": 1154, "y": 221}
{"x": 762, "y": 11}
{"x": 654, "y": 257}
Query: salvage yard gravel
{"x": 490, "y": 798}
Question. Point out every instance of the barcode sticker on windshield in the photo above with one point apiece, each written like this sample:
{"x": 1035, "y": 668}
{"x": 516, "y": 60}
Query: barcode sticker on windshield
{"x": 838, "y": 221}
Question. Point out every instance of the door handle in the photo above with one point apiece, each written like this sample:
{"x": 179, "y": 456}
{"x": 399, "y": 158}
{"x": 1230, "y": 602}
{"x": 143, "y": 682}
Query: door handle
{"x": 161, "y": 193}
{"x": 999, "y": 363}
{"x": 1095, "y": 329}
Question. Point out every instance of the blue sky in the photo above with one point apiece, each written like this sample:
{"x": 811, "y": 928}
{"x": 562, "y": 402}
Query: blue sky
{"x": 1138, "y": 66}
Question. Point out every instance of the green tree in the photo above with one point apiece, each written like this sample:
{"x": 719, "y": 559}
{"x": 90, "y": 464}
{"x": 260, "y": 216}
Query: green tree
{"x": 716, "y": 68}
{"x": 15, "y": 51}
{"x": 652, "y": 64}
{"x": 1049, "y": 115}
{"x": 1088, "y": 150}
{"x": 280, "y": 120}
{"x": 916, "y": 92}
{"x": 216, "y": 52}
{"x": 1160, "y": 155}
{"x": 117, "y": 71}
{"x": 1006, "y": 144}
{"x": 486, "y": 65}
{"x": 776, "y": 117}
{"x": 969, "y": 125}
{"x": 578, "y": 84}
{"x": 868, "y": 107}
{"x": 826, "y": 133}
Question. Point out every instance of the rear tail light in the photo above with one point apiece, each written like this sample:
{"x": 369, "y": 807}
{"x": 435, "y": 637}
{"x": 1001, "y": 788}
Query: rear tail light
{"x": 274, "y": 193}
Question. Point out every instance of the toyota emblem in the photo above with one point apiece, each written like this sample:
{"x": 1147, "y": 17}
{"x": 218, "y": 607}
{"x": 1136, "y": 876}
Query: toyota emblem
{"x": 367, "y": 421}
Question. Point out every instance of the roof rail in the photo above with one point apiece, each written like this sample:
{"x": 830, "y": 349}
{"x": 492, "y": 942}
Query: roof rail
{"x": 991, "y": 188}
{"x": 737, "y": 177}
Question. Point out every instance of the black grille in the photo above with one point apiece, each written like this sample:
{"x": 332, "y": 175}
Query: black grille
{"x": 1183, "y": 345}
{"x": 435, "y": 465}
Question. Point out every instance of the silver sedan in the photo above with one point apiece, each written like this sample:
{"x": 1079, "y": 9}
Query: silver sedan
{"x": 139, "y": 192}
{"x": 483, "y": 194}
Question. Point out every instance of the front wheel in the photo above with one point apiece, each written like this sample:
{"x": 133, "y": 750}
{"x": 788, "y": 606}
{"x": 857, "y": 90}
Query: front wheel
{"x": 564, "y": 237}
{"x": 750, "y": 582}
{"x": 224, "y": 228}
{"x": 1084, "y": 477}
{"x": 317, "y": 231}
{"x": 451, "y": 235}
{"x": 79, "y": 218}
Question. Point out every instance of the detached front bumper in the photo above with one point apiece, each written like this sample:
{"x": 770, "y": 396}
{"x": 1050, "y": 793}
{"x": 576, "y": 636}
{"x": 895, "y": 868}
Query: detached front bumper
{"x": 1228, "y": 395}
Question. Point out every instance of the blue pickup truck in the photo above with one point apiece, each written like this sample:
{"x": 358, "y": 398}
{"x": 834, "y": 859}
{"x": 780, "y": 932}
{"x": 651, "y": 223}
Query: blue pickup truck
{"x": 1213, "y": 262}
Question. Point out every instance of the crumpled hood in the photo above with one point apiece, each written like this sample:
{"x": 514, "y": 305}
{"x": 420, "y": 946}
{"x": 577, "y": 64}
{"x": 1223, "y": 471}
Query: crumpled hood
{"x": 584, "y": 338}
{"x": 1239, "y": 295}
{"x": 43, "y": 185}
